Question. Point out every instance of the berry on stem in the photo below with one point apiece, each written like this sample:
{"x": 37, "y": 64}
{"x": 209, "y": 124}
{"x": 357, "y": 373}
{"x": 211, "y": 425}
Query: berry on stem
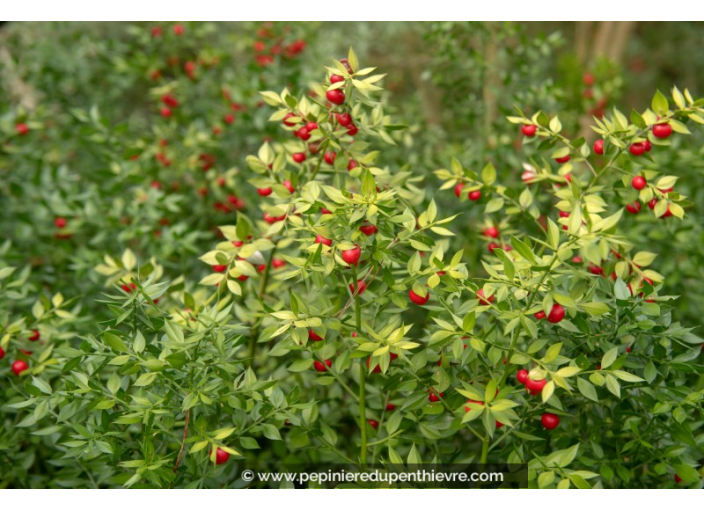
{"x": 557, "y": 313}
{"x": 599, "y": 147}
{"x": 550, "y": 421}
{"x": 321, "y": 240}
{"x": 221, "y": 456}
{"x": 662, "y": 131}
{"x": 528, "y": 130}
{"x": 352, "y": 255}
{"x": 321, "y": 367}
{"x": 483, "y": 300}
{"x": 639, "y": 182}
{"x": 19, "y": 366}
{"x": 419, "y": 300}
{"x": 335, "y": 96}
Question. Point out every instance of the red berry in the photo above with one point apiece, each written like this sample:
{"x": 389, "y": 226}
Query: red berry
{"x": 633, "y": 208}
{"x": 178, "y": 30}
{"x": 169, "y": 100}
{"x": 278, "y": 263}
{"x": 540, "y": 315}
{"x": 2, "y": 353}
{"x": 352, "y": 256}
{"x": 535, "y": 387}
{"x": 265, "y": 192}
{"x": 330, "y": 157}
{"x": 677, "y": 478}
{"x": 637, "y": 149}
{"x": 588, "y": 79}
{"x": 22, "y": 129}
{"x": 34, "y": 336}
{"x": 563, "y": 159}
{"x": 128, "y": 288}
{"x": 492, "y": 246}
{"x": 374, "y": 424}
{"x": 288, "y": 122}
{"x": 320, "y": 366}
{"x": 289, "y": 186}
{"x": 470, "y": 401}
{"x": 60, "y": 222}
{"x": 458, "y": 189}
{"x": 662, "y": 130}
{"x": 313, "y": 336}
{"x": 599, "y": 147}
{"x": 220, "y": 268}
{"x": 336, "y": 78}
{"x": 491, "y": 232}
{"x": 303, "y": 134}
{"x": 369, "y": 229}
{"x": 522, "y": 376}
{"x": 653, "y": 203}
{"x": 311, "y": 126}
{"x": 352, "y": 165}
{"x": 597, "y": 270}
{"x": 19, "y": 366}
{"x": 352, "y": 130}
{"x": 390, "y": 407}
{"x": 550, "y": 421}
{"x": 299, "y": 157}
{"x": 166, "y": 112}
{"x": 335, "y": 96}
{"x": 361, "y": 287}
{"x": 577, "y": 259}
{"x": 221, "y": 456}
{"x": 228, "y": 118}
{"x": 639, "y": 182}
{"x": 475, "y": 195}
{"x": 528, "y": 130}
{"x": 321, "y": 240}
{"x": 273, "y": 219}
{"x": 433, "y": 396}
{"x": 419, "y": 300}
{"x": 557, "y": 313}
{"x": 648, "y": 146}
{"x": 344, "y": 119}
{"x": 483, "y": 300}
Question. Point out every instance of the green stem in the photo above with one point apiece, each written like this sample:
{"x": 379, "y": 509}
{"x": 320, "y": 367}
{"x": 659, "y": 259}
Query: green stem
{"x": 254, "y": 336}
{"x": 485, "y": 450}
{"x": 362, "y": 376}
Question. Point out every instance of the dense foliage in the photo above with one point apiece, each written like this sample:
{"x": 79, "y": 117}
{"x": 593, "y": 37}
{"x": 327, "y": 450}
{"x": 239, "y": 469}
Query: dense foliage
{"x": 199, "y": 275}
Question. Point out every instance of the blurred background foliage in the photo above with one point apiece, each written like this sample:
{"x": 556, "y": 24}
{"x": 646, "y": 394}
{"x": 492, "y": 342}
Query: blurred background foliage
{"x": 100, "y": 151}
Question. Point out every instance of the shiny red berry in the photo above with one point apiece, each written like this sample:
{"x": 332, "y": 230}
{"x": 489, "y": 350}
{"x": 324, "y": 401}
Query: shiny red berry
{"x": 662, "y": 130}
{"x": 19, "y": 366}
{"x": 599, "y": 147}
{"x": 321, "y": 367}
{"x": 639, "y": 182}
{"x": 557, "y": 313}
{"x": 522, "y": 376}
{"x": 321, "y": 240}
{"x": 483, "y": 300}
{"x": 335, "y": 96}
{"x": 637, "y": 149}
{"x": 419, "y": 300}
{"x": 550, "y": 421}
{"x": 528, "y": 130}
{"x": 352, "y": 255}
{"x": 221, "y": 456}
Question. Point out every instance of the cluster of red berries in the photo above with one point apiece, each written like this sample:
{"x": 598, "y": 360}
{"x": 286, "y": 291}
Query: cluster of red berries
{"x": 264, "y": 52}
{"x": 472, "y": 195}
{"x": 557, "y": 313}
{"x": 534, "y": 387}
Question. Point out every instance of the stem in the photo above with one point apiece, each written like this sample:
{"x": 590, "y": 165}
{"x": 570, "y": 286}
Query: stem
{"x": 485, "y": 450}
{"x": 254, "y": 336}
{"x": 183, "y": 443}
{"x": 362, "y": 375}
